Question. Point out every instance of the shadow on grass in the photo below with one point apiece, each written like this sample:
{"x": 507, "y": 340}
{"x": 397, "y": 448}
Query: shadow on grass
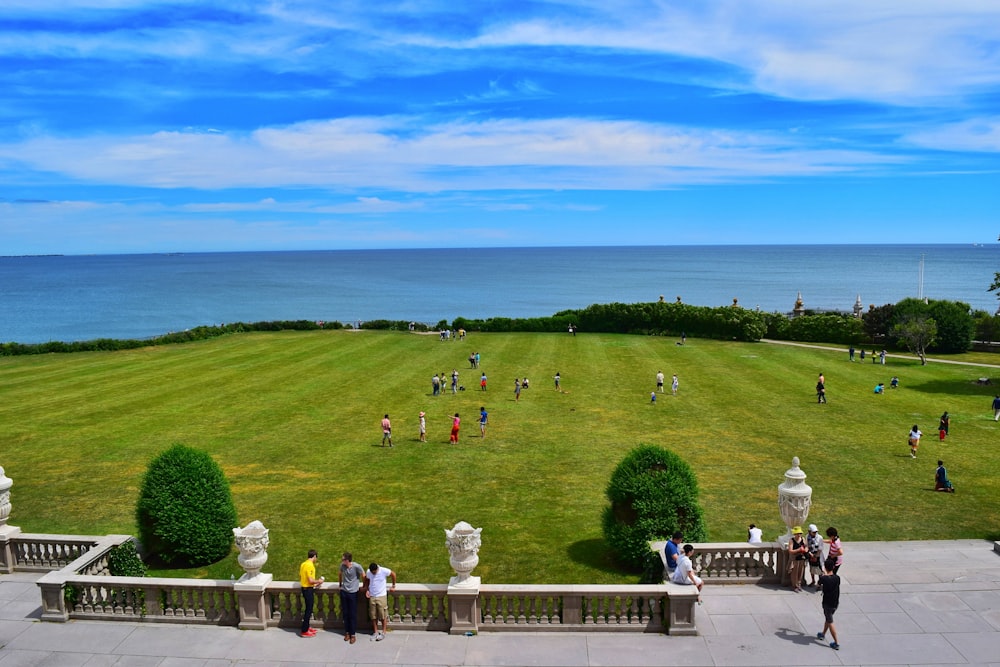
{"x": 961, "y": 387}
{"x": 595, "y": 554}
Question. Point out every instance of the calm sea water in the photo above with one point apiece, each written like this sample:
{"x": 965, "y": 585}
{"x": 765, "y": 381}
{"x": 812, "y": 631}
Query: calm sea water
{"x": 136, "y": 296}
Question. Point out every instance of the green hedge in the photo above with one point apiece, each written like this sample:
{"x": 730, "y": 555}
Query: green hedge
{"x": 185, "y": 511}
{"x": 653, "y": 493}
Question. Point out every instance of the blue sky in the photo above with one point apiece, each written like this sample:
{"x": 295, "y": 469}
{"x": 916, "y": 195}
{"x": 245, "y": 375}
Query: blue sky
{"x": 130, "y": 126}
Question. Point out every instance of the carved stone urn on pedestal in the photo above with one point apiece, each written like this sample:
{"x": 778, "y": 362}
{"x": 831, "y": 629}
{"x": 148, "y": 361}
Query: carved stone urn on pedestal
{"x": 252, "y": 541}
{"x": 794, "y": 499}
{"x": 463, "y": 542}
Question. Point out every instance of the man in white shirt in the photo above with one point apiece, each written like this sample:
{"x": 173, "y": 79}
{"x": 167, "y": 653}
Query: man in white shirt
{"x": 755, "y": 535}
{"x": 684, "y": 574}
{"x": 378, "y": 599}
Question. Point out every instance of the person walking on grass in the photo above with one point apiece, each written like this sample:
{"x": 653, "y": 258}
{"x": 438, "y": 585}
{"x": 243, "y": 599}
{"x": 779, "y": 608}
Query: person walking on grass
{"x": 350, "y": 578}
{"x": 996, "y": 408}
{"x": 652, "y": 397}
{"x": 378, "y": 598}
{"x": 517, "y": 389}
{"x": 674, "y": 385}
{"x": 659, "y": 381}
{"x": 558, "y": 379}
{"x": 482, "y": 382}
{"x": 914, "y": 440}
{"x": 829, "y": 582}
{"x": 309, "y": 582}
{"x": 455, "y": 423}
{"x": 943, "y": 425}
{"x": 386, "y": 430}
{"x": 484, "y": 419}
{"x": 423, "y": 427}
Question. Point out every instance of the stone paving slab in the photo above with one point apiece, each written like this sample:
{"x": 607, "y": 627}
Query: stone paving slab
{"x": 902, "y": 603}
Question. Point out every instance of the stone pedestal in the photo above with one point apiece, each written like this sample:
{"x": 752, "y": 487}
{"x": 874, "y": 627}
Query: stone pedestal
{"x": 53, "y": 587}
{"x": 7, "y": 556}
{"x": 250, "y": 595}
{"x": 463, "y": 607}
{"x": 681, "y": 601}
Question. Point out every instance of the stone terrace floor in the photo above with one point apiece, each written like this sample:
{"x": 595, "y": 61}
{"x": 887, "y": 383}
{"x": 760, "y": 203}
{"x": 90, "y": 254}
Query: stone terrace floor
{"x": 902, "y": 603}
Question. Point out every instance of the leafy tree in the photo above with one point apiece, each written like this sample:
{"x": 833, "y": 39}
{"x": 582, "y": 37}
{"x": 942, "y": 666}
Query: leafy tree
{"x": 987, "y": 326}
{"x": 995, "y": 285}
{"x": 955, "y": 326}
{"x": 953, "y": 321}
{"x": 878, "y": 322}
{"x": 917, "y": 332}
{"x": 653, "y": 493}
{"x": 185, "y": 510}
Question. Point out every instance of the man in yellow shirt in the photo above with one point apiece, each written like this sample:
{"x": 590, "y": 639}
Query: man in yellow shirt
{"x": 309, "y": 584}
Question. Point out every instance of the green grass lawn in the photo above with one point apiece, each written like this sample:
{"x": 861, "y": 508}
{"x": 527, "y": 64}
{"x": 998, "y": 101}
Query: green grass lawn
{"x": 293, "y": 419}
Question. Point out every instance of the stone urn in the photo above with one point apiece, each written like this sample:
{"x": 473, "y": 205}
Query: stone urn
{"x": 252, "y": 541}
{"x": 463, "y": 542}
{"x": 794, "y": 499}
{"x": 5, "y": 484}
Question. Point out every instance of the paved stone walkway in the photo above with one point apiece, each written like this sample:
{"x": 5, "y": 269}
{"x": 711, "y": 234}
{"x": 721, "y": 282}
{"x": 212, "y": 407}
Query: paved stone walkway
{"x": 902, "y": 603}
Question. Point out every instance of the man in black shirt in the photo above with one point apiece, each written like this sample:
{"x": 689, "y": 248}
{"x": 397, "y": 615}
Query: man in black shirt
{"x": 830, "y": 584}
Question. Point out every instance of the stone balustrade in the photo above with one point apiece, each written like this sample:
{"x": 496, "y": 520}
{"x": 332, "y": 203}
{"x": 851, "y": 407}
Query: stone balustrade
{"x": 737, "y": 562}
{"x": 572, "y": 608}
{"x": 31, "y": 552}
{"x": 82, "y": 589}
{"x": 733, "y": 562}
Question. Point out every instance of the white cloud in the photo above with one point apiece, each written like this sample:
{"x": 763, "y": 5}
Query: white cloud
{"x": 976, "y": 135}
{"x": 400, "y": 153}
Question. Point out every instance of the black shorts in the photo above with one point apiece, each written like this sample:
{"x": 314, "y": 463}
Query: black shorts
{"x": 828, "y": 613}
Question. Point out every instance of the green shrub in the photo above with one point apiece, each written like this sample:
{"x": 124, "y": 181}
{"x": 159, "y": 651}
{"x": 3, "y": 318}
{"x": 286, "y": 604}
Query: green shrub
{"x": 185, "y": 510}
{"x": 653, "y": 494}
{"x": 124, "y": 561}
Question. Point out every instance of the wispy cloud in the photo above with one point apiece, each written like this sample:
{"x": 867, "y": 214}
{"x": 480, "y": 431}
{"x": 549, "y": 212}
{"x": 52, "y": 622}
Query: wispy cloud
{"x": 406, "y": 154}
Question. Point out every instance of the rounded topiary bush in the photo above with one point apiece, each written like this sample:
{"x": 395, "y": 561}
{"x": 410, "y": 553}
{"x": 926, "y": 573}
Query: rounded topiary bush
{"x": 185, "y": 511}
{"x": 653, "y": 494}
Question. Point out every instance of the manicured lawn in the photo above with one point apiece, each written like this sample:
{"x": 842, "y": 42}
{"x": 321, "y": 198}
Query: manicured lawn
{"x": 293, "y": 419}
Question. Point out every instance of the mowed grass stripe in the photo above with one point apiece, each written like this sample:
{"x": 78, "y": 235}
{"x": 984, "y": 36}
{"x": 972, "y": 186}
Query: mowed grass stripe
{"x": 293, "y": 418}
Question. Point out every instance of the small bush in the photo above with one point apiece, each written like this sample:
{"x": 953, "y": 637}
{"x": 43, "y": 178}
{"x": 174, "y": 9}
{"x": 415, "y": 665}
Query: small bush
{"x": 124, "y": 561}
{"x": 653, "y": 494}
{"x": 185, "y": 510}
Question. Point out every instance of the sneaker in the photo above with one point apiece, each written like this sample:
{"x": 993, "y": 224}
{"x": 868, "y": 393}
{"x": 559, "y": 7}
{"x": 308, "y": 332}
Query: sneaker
{"x": 347, "y": 638}
{"x": 380, "y": 636}
{"x": 311, "y": 632}
{"x": 835, "y": 646}
{"x": 820, "y": 635}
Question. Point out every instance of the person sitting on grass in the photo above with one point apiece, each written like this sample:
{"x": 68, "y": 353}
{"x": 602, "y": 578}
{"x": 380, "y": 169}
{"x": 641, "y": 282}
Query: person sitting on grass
{"x": 941, "y": 481}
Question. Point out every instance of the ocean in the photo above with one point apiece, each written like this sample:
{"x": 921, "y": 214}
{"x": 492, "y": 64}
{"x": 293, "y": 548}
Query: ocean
{"x": 72, "y": 298}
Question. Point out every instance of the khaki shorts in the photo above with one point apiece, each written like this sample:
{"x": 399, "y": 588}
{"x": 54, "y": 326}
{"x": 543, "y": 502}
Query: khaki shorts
{"x": 378, "y": 608}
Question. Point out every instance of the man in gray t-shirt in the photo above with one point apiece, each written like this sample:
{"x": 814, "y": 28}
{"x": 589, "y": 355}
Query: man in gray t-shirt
{"x": 351, "y": 576}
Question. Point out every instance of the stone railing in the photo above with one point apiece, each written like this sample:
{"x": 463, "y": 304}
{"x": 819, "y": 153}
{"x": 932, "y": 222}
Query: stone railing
{"x": 82, "y": 589}
{"x": 579, "y": 608}
{"x": 31, "y": 552}
{"x": 738, "y": 562}
{"x": 411, "y": 606}
{"x": 733, "y": 562}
